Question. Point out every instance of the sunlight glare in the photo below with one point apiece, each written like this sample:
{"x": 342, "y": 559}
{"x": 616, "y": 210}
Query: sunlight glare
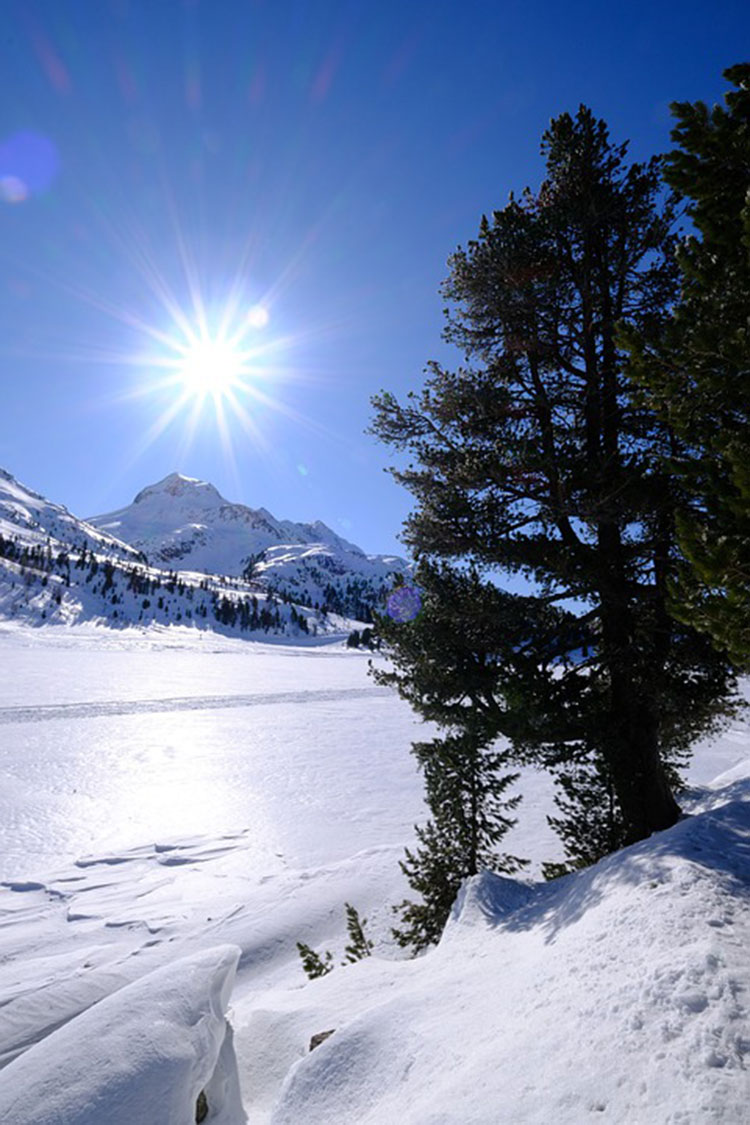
{"x": 210, "y": 367}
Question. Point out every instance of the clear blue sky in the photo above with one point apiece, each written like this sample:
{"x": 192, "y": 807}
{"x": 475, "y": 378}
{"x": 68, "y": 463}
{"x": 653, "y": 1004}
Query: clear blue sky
{"x": 316, "y": 159}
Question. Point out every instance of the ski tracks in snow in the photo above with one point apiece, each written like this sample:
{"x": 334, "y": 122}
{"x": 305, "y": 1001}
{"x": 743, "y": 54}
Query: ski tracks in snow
{"x": 105, "y": 708}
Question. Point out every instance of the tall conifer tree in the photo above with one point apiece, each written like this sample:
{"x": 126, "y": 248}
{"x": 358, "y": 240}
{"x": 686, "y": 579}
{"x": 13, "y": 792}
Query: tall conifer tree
{"x": 532, "y": 460}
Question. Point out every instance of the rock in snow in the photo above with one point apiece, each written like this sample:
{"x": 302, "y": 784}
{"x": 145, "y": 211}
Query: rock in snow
{"x": 140, "y": 1057}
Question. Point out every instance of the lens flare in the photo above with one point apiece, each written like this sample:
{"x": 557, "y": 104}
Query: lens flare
{"x": 404, "y": 604}
{"x": 29, "y": 163}
{"x": 258, "y": 316}
{"x": 13, "y": 189}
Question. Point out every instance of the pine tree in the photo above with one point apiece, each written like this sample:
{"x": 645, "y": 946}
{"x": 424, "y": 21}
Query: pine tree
{"x": 359, "y": 945}
{"x": 532, "y": 460}
{"x": 696, "y": 374}
{"x": 313, "y": 964}
{"x": 456, "y": 668}
{"x": 465, "y": 791}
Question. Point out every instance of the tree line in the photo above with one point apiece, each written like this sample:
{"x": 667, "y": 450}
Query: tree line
{"x": 130, "y": 592}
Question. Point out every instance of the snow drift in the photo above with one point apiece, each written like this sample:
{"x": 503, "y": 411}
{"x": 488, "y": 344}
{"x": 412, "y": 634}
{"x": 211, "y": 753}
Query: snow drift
{"x": 143, "y": 1055}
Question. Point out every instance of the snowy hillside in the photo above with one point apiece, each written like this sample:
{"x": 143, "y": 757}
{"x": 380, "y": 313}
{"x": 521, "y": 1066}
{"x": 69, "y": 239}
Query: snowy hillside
{"x": 55, "y": 568}
{"x": 185, "y": 523}
{"x": 169, "y": 809}
{"x": 26, "y": 515}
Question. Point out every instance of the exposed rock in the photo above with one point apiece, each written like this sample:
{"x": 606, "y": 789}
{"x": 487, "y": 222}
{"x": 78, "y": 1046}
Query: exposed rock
{"x": 320, "y": 1037}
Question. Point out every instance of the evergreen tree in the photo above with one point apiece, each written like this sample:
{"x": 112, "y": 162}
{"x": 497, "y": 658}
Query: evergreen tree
{"x": 696, "y": 375}
{"x": 457, "y": 664}
{"x": 465, "y": 791}
{"x": 532, "y": 460}
{"x": 359, "y": 945}
{"x": 313, "y": 964}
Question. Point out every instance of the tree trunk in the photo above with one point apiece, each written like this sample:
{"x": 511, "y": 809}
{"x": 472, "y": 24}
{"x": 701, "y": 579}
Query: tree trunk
{"x": 643, "y": 790}
{"x": 631, "y": 742}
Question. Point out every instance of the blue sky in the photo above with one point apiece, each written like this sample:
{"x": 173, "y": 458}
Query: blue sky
{"x": 163, "y": 161}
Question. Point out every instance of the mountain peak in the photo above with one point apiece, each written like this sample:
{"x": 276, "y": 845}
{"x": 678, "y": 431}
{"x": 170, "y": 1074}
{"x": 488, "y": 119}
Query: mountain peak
{"x": 184, "y": 523}
{"x": 176, "y": 484}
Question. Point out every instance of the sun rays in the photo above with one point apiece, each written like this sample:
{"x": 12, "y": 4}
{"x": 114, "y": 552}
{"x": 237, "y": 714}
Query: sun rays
{"x": 192, "y": 340}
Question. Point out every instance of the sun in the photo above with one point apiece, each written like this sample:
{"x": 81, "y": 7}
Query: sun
{"x": 210, "y": 367}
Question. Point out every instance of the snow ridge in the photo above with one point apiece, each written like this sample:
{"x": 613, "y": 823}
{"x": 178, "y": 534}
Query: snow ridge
{"x": 618, "y": 991}
{"x": 143, "y": 1054}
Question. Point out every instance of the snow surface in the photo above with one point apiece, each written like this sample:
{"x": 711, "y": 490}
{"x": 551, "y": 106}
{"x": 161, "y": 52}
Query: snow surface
{"x": 143, "y": 1054}
{"x": 616, "y": 994}
{"x": 160, "y": 800}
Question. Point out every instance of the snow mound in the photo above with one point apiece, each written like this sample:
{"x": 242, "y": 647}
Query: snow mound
{"x": 141, "y": 1055}
{"x": 488, "y": 897}
{"x": 617, "y": 993}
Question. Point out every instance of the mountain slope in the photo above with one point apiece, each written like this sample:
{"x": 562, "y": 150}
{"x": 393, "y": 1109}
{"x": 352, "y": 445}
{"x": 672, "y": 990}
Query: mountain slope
{"x": 184, "y": 522}
{"x": 55, "y": 568}
{"x": 29, "y": 518}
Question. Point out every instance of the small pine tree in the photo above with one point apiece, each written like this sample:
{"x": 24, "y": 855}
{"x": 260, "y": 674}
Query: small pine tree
{"x": 359, "y": 945}
{"x": 457, "y": 668}
{"x": 465, "y": 792}
{"x": 313, "y": 964}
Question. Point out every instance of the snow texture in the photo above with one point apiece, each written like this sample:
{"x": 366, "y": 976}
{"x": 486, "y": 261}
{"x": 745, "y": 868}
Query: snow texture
{"x": 143, "y": 1054}
{"x": 619, "y": 992}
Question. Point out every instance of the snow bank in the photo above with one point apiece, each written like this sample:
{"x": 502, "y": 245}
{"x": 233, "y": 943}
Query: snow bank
{"x": 618, "y": 993}
{"x": 141, "y": 1056}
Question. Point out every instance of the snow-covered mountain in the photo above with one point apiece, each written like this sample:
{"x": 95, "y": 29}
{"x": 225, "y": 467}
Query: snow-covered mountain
{"x": 185, "y": 523}
{"x": 55, "y": 568}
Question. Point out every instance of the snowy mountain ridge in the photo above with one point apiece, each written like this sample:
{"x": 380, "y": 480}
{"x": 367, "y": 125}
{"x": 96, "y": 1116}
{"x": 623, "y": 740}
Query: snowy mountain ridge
{"x": 55, "y": 568}
{"x": 185, "y": 522}
{"x": 28, "y": 514}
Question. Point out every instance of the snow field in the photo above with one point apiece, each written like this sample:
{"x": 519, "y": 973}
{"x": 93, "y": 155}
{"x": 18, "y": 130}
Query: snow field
{"x": 160, "y": 801}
